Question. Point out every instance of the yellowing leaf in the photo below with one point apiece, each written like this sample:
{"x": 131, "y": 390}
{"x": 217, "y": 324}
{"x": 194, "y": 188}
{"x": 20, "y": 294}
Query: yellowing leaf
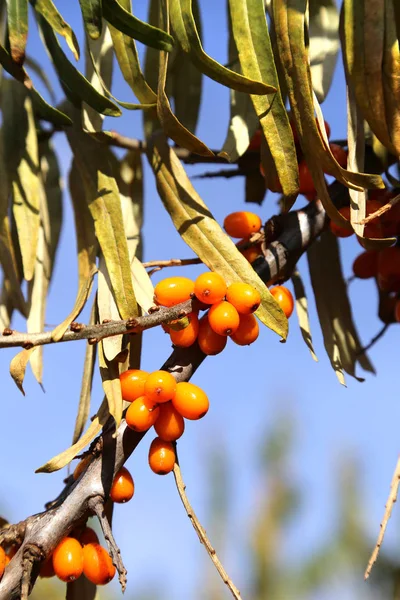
{"x": 109, "y": 372}
{"x": 18, "y": 367}
{"x": 302, "y": 312}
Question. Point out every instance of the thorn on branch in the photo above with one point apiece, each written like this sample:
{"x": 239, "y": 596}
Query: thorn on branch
{"x": 97, "y": 506}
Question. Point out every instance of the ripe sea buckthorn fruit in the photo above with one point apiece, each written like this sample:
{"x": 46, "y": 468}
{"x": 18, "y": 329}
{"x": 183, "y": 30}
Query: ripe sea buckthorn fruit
{"x": 173, "y": 290}
{"x": 186, "y": 337}
{"x": 122, "y": 488}
{"x": 170, "y": 424}
{"x": 251, "y": 252}
{"x": 284, "y": 298}
{"x": 210, "y": 288}
{"x": 243, "y": 297}
{"x": 247, "y": 332}
{"x": 47, "y": 569}
{"x": 82, "y": 466}
{"x": 374, "y": 228}
{"x": 340, "y": 154}
{"x": 389, "y": 269}
{"x": 160, "y": 386}
{"x": 306, "y": 183}
{"x": 338, "y": 230}
{"x": 161, "y": 456}
{"x": 210, "y": 343}
{"x": 366, "y": 264}
{"x": 68, "y": 559}
{"x": 255, "y": 141}
{"x": 190, "y": 401}
{"x": 141, "y": 414}
{"x": 242, "y": 224}
{"x": 88, "y": 536}
{"x": 2, "y": 561}
{"x": 132, "y": 384}
{"x": 223, "y": 318}
{"x": 97, "y": 564}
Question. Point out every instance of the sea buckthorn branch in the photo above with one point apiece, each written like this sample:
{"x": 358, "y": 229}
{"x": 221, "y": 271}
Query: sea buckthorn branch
{"x": 181, "y": 487}
{"x": 41, "y": 533}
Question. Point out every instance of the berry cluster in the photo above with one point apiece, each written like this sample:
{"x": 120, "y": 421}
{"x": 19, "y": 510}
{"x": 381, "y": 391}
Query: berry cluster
{"x": 157, "y": 400}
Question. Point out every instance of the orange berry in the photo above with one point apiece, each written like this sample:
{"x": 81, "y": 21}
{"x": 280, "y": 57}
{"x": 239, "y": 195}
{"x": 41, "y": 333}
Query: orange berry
{"x": 255, "y": 142}
{"x": 306, "y": 183}
{"x": 397, "y": 311}
{"x": 284, "y": 298}
{"x": 389, "y": 269}
{"x": 141, "y": 414}
{"x": 132, "y": 384}
{"x": 252, "y": 252}
{"x": 338, "y": 230}
{"x": 173, "y": 290}
{"x": 2, "y": 561}
{"x": 88, "y": 536}
{"x": 68, "y": 559}
{"x": 340, "y": 155}
{"x": 242, "y": 224}
{"x": 374, "y": 228}
{"x": 223, "y": 318}
{"x": 47, "y": 569}
{"x": 190, "y": 401}
{"x": 97, "y": 564}
{"x": 247, "y": 332}
{"x": 82, "y": 466}
{"x": 161, "y": 456}
{"x": 210, "y": 343}
{"x": 187, "y": 336}
{"x": 210, "y": 288}
{"x": 122, "y": 488}
{"x": 170, "y": 424}
{"x": 366, "y": 264}
{"x": 243, "y": 297}
{"x": 160, "y": 386}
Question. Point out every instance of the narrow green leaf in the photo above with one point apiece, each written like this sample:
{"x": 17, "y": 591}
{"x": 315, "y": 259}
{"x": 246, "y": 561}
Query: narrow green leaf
{"x": 107, "y": 310}
{"x": 64, "y": 458}
{"x": 170, "y": 124}
{"x": 184, "y": 27}
{"x": 109, "y": 371}
{"x": 130, "y": 184}
{"x": 256, "y": 57}
{"x": 22, "y": 161}
{"x": 102, "y": 197}
{"x": 53, "y": 188}
{"x": 302, "y": 312}
{"x": 202, "y": 233}
{"x": 47, "y": 9}
{"x": 98, "y": 71}
{"x": 86, "y": 385}
{"x": 41, "y": 73}
{"x": 127, "y": 23}
{"x": 17, "y": 20}
{"x": 86, "y": 246}
{"x": 74, "y": 83}
{"x": 18, "y": 367}
{"x": 324, "y": 44}
{"x": 92, "y": 17}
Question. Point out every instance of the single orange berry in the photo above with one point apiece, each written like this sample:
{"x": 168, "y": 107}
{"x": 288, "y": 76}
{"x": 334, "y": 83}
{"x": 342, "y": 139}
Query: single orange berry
{"x": 186, "y": 337}
{"x": 132, "y": 384}
{"x": 2, "y": 561}
{"x": 97, "y": 564}
{"x": 47, "y": 569}
{"x": 255, "y": 142}
{"x": 141, "y": 414}
{"x": 338, "y": 230}
{"x": 8, "y": 560}
{"x": 284, "y": 298}
{"x": 82, "y": 466}
{"x": 161, "y": 456}
{"x": 68, "y": 559}
{"x": 252, "y": 252}
{"x": 210, "y": 288}
{"x": 223, "y": 318}
{"x": 242, "y": 224}
{"x": 366, "y": 264}
{"x": 243, "y": 297}
{"x": 173, "y": 290}
{"x": 306, "y": 183}
{"x": 160, "y": 386}
{"x": 170, "y": 424}
{"x": 389, "y": 269}
{"x": 190, "y": 401}
{"x": 210, "y": 343}
{"x": 373, "y": 229}
{"x": 123, "y": 487}
{"x": 247, "y": 332}
{"x": 88, "y": 536}
{"x": 339, "y": 154}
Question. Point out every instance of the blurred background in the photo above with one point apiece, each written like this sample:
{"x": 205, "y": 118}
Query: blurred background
{"x": 288, "y": 472}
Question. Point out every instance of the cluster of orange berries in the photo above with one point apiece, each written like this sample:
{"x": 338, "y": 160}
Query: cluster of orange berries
{"x": 306, "y": 184}
{"x": 80, "y": 553}
{"x": 158, "y": 400}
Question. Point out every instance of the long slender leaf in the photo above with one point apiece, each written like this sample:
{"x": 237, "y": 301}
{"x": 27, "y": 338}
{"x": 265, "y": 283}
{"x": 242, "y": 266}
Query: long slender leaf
{"x": 107, "y": 310}
{"x": 92, "y": 17}
{"x": 302, "y": 312}
{"x": 324, "y": 44}
{"x": 47, "y": 9}
{"x": 17, "y": 18}
{"x": 109, "y": 372}
{"x": 18, "y": 366}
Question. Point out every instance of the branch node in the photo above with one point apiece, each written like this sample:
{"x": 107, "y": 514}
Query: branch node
{"x": 27, "y": 345}
{"x": 153, "y": 309}
{"x": 8, "y": 331}
{"x": 132, "y": 323}
{"x": 92, "y": 341}
{"x": 76, "y": 327}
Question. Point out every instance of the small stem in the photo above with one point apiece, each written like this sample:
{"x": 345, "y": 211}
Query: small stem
{"x": 181, "y": 487}
{"x": 376, "y": 338}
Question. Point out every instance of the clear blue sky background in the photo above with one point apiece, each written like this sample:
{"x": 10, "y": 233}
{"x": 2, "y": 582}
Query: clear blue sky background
{"x": 248, "y": 388}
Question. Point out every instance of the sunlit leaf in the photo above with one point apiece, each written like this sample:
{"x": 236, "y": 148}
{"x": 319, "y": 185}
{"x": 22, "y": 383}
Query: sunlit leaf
{"x": 109, "y": 372}
{"x": 92, "y": 17}
{"x": 324, "y": 44}
{"x": 143, "y": 285}
{"x": 47, "y": 9}
{"x": 98, "y": 71}
{"x": 18, "y": 366}
{"x": 17, "y": 20}
{"x": 107, "y": 310}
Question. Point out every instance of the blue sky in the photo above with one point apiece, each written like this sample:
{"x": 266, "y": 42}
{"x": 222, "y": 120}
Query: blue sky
{"x": 248, "y": 388}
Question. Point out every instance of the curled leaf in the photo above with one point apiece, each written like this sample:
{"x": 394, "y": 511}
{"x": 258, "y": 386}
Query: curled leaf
{"x": 18, "y": 367}
{"x": 47, "y": 9}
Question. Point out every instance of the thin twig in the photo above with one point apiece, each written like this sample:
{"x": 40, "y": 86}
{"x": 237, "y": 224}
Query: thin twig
{"x": 394, "y": 488}
{"x": 181, "y": 487}
{"x": 381, "y": 211}
{"x": 97, "y": 332}
{"x": 97, "y": 506}
{"x": 377, "y": 337}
